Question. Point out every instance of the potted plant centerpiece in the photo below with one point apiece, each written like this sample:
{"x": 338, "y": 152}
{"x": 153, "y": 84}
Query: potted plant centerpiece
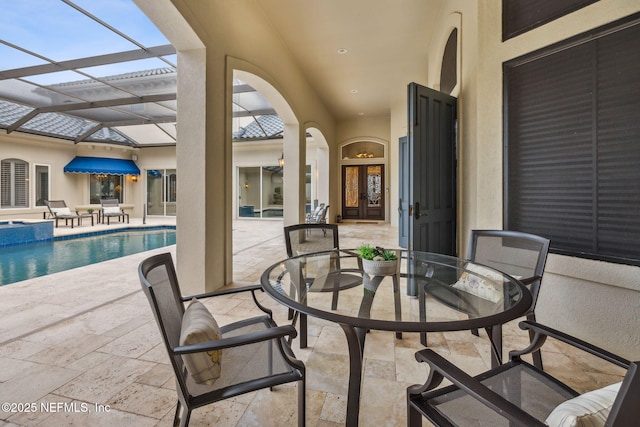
{"x": 377, "y": 261}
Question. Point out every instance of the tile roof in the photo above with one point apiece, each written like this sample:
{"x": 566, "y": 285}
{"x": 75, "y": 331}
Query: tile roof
{"x": 57, "y": 124}
{"x": 271, "y": 124}
{"x": 166, "y": 71}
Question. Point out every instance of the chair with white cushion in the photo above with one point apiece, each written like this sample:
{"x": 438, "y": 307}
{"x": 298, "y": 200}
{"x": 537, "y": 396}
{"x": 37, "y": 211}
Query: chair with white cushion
{"x": 311, "y": 216}
{"x": 111, "y": 209}
{"x": 518, "y": 393}
{"x": 58, "y": 210}
{"x": 521, "y": 255}
{"x": 213, "y": 363}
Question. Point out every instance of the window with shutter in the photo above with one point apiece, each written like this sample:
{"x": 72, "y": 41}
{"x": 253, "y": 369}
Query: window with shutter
{"x": 14, "y": 187}
{"x": 572, "y": 129}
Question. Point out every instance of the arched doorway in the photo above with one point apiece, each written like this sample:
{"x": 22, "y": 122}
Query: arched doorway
{"x": 363, "y": 180}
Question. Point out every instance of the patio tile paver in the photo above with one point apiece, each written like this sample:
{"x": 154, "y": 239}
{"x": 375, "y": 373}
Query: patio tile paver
{"x": 88, "y": 336}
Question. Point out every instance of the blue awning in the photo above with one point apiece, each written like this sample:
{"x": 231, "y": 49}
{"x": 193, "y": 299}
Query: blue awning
{"x": 102, "y": 165}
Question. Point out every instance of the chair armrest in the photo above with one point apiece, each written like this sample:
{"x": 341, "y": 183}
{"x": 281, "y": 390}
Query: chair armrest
{"x": 542, "y": 331}
{"x": 473, "y": 388}
{"x": 529, "y": 280}
{"x": 239, "y": 340}
{"x": 229, "y": 291}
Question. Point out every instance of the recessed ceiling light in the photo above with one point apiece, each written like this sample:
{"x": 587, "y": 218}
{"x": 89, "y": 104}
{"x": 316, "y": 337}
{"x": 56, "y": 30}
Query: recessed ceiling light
{"x": 342, "y": 51}
{"x": 354, "y": 90}
{"x": 361, "y": 114}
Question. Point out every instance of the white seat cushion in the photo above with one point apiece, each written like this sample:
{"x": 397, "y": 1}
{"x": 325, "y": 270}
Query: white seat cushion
{"x": 110, "y": 210}
{"x": 61, "y": 211}
{"x": 590, "y": 409}
{"x": 198, "y": 325}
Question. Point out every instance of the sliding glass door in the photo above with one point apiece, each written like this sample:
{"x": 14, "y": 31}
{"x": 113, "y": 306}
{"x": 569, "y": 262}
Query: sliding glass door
{"x": 260, "y": 192}
{"x": 161, "y": 192}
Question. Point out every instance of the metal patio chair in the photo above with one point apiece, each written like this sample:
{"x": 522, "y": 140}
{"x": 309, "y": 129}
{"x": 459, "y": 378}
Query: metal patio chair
{"x": 319, "y": 216}
{"x": 521, "y": 255}
{"x": 111, "y": 209}
{"x": 310, "y": 218}
{"x": 518, "y": 254}
{"x": 255, "y": 354}
{"x": 519, "y": 394}
{"x": 58, "y": 210}
{"x": 302, "y": 239}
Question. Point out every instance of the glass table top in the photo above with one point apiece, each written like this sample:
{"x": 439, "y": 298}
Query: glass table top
{"x": 427, "y": 292}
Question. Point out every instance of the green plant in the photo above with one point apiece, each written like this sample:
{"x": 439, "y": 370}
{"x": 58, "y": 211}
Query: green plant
{"x": 377, "y": 253}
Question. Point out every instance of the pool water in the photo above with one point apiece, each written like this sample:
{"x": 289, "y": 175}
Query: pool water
{"x": 22, "y": 262}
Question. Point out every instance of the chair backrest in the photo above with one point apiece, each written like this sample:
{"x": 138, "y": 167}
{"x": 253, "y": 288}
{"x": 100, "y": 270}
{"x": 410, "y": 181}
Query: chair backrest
{"x": 518, "y": 254}
{"x": 58, "y": 208}
{"x": 109, "y": 203}
{"x": 160, "y": 284}
{"x": 306, "y": 238}
{"x": 317, "y": 210}
{"x": 55, "y": 204}
{"x": 323, "y": 214}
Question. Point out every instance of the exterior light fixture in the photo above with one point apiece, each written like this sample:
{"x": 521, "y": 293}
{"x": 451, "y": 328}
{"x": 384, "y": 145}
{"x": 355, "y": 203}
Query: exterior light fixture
{"x": 134, "y": 178}
{"x": 281, "y": 160}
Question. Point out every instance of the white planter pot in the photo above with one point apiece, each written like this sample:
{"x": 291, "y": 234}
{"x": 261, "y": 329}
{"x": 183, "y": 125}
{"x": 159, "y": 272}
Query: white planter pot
{"x": 380, "y": 268}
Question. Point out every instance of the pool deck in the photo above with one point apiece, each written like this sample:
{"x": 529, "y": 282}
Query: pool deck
{"x": 87, "y": 336}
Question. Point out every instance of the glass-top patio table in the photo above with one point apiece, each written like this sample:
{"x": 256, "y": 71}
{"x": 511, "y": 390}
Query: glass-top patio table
{"x": 426, "y": 292}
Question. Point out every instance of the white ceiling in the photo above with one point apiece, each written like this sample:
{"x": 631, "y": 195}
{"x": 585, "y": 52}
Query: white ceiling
{"x": 386, "y": 42}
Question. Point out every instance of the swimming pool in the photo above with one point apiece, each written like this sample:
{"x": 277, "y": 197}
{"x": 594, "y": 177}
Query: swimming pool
{"x": 22, "y": 262}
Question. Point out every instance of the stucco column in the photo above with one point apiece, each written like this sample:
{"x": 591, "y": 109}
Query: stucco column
{"x": 204, "y": 244}
{"x": 294, "y": 145}
{"x": 322, "y": 181}
{"x": 191, "y": 167}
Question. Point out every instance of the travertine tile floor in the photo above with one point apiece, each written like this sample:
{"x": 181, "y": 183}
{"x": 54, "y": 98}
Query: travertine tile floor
{"x": 84, "y": 343}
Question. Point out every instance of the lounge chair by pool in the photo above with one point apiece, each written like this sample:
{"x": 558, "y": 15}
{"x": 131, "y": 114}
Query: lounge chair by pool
{"x": 59, "y": 210}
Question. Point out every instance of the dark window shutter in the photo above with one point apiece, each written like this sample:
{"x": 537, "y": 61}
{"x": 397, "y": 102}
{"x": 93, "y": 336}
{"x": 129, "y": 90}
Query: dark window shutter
{"x": 618, "y": 134}
{"x": 572, "y": 170}
{"x": 519, "y": 16}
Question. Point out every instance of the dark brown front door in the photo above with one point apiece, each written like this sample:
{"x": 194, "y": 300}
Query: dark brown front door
{"x": 363, "y": 192}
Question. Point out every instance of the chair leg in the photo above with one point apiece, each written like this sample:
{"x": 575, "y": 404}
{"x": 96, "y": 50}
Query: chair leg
{"x": 537, "y": 355}
{"x": 302, "y": 405}
{"x": 186, "y": 415}
{"x": 303, "y": 331}
{"x": 176, "y": 417}
{"x": 495, "y": 339}
{"x": 414, "y": 418}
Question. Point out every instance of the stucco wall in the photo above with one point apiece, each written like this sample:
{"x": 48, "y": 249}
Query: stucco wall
{"x": 596, "y": 300}
{"x": 72, "y": 188}
{"x": 44, "y": 151}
